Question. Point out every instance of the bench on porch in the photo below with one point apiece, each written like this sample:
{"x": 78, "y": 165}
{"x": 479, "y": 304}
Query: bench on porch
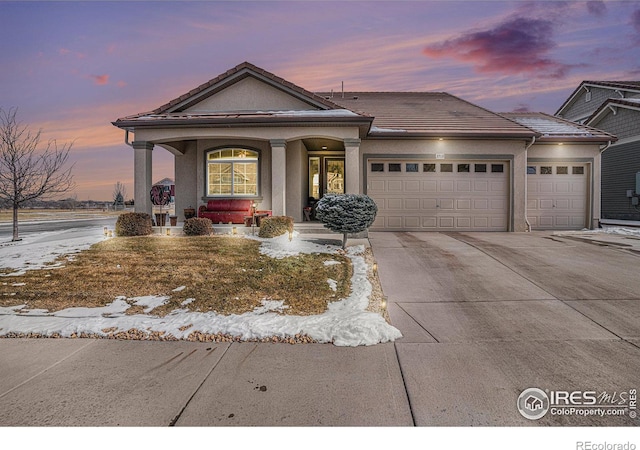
{"x": 226, "y": 210}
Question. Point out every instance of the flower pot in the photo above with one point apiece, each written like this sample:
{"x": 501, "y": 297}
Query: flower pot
{"x": 161, "y": 220}
{"x": 173, "y": 220}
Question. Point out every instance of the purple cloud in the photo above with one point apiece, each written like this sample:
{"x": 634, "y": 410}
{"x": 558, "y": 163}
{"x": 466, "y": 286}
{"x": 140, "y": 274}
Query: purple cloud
{"x": 517, "y": 46}
{"x": 597, "y": 8}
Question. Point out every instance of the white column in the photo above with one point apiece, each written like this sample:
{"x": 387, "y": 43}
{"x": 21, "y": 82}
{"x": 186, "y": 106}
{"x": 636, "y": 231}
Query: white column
{"x": 352, "y": 166}
{"x": 142, "y": 176}
{"x": 278, "y": 177}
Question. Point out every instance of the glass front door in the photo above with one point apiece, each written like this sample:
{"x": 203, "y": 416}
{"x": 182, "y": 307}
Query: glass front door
{"x": 334, "y": 176}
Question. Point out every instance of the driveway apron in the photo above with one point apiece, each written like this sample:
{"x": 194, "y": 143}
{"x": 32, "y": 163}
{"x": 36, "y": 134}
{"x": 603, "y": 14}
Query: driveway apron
{"x": 485, "y": 316}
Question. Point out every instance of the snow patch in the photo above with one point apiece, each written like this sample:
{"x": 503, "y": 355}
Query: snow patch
{"x": 345, "y": 322}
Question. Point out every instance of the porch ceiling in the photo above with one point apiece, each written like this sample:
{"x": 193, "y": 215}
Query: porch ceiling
{"x": 323, "y": 144}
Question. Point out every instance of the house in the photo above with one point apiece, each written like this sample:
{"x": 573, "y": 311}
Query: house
{"x": 430, "y": 160}
{"x": 613, "y": 106}
{"x": 533, "y": 403}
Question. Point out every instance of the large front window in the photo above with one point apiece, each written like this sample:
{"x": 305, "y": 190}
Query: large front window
{"x": 232, "y": 172}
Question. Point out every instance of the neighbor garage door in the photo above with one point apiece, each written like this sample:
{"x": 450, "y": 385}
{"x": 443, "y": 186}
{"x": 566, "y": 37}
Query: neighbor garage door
{"x": 439, "y": 195}
{"x": 557, "y": 196}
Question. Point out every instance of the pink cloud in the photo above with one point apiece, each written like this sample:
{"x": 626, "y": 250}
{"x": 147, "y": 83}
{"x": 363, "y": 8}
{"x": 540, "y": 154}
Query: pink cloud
{"x": 100, "y": 80}
{"x": 121, "y": 84}
{"x": 516, "y": 46}
{"x": 65, "y": 51}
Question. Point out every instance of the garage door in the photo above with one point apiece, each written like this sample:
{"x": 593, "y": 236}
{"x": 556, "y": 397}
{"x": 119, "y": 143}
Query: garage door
{"x": 439, "y": 195}
{"x": 557, "y": 196}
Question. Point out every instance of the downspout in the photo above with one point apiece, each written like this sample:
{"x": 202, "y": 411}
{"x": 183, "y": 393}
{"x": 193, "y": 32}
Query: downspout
{"x": 126, "y": 138}
{"x": 526, "y": 193}
{"x": 606, "y": 147}
{"x": 601, "y": 152}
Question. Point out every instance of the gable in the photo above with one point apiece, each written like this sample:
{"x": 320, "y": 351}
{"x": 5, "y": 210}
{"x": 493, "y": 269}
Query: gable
{"x": 624, "y": 123}
{"x": 249, "y": 94}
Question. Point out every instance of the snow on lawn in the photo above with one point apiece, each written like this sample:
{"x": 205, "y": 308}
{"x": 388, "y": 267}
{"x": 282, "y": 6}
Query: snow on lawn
{"x": 345, "y": 323}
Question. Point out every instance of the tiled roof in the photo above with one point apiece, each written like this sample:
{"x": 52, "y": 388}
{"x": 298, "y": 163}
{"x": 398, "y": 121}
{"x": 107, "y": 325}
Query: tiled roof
{"x": 551, "y": 128}
{"x": 427, "y": 114}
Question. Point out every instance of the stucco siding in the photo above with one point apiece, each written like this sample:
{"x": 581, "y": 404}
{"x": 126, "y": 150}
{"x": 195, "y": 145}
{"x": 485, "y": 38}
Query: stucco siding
{"x": 249, "y": 95}
{"x": 620, "y": 163}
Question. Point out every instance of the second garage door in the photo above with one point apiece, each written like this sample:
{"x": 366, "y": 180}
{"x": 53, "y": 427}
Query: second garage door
{"x": 439, "y": 195}
{"x": 557, "y": 196}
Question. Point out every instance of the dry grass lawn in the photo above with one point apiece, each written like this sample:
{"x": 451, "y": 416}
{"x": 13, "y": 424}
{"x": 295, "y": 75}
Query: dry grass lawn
{"x": 227, "y": 275}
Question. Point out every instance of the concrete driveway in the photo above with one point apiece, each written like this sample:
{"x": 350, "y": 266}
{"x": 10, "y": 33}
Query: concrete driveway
{"x": 487, "y": 315}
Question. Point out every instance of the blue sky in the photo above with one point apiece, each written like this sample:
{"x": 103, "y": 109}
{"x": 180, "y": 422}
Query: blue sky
{"x": 73, "y": 67}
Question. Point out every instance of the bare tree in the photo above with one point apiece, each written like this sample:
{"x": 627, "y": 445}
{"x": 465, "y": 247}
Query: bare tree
{"x": 28, "y": 172}
{"x": 119, "y": 194}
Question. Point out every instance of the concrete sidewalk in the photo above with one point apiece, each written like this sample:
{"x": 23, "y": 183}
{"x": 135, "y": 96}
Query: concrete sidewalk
{"x": 84, "y": 382}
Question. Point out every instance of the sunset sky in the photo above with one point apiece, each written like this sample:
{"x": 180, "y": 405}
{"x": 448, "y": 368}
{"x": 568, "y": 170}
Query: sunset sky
{"x": 71, "y": 68}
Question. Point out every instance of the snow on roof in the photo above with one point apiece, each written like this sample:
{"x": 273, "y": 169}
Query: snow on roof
{"x": 554, "y": 127}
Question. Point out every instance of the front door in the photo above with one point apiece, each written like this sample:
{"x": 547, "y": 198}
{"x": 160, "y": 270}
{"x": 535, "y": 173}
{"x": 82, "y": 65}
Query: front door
{"x": 326, "y": 176}
{"x": 334, "y": 175}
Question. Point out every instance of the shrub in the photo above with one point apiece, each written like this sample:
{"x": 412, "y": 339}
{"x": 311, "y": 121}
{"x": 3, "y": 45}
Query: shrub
{"x": 346, "y": 213}
{"x": 197, "y": 226}
{"x": 134, "y": 224}
{"x": 275, "y": 226}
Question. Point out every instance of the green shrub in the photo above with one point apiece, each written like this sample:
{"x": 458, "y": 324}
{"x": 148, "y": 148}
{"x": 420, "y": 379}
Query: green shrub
{"x": 197, "y": 226}
{"x": 134, "y": 224}
{"x": 275, "y": 226}
{"x": 346, "y": 213}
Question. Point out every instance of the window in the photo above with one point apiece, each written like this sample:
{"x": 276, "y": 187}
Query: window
{"x": 578, "y": 170}
{"x": 446, "y": 167}
{"x": 497, "y": 168}
{"x": 428, "y": 167}
{"x": 480, "y": 168}
{"x": 411, "y": 167}
{"x": 562, "y": 170}
{"x": 395, "y": 167}
{"x": 377, "y": 167}
{"x": 546, "y": 170}
{"x": 531, "y": 170}
{"x": 463, "y": 168}
{"x": 232, "y": 172}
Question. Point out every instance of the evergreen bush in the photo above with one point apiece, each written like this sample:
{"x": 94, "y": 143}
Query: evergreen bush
{"x": 197, "y": 226}
{"x": 346, "y": 213}
{"x": 275, "y": 226}
{"x": 134, "y": 224}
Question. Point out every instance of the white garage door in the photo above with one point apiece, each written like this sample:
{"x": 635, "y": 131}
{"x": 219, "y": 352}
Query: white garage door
{"x": 557, "y": 196}
{"x": 439, "y": 195}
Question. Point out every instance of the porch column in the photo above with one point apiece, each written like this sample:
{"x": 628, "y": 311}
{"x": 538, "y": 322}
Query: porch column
{"x": 278, "y": 177}
{"x": 352, "y": 165}
{"x": 142, "y": 176}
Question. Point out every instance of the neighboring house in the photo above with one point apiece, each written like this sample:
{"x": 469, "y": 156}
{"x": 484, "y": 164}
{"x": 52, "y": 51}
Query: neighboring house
{"x": 614, "y": 107}
{"x": 430, "y": 160}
